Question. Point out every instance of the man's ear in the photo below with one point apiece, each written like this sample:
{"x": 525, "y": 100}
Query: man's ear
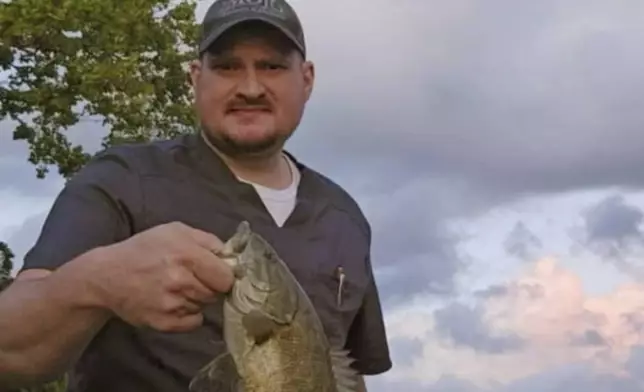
{"x": 194, "y": 72}
{"x": 308, "y": 70}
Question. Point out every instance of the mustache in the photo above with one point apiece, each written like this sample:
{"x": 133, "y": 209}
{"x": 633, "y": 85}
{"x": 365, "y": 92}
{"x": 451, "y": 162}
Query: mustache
{"x": 249, "y": 103}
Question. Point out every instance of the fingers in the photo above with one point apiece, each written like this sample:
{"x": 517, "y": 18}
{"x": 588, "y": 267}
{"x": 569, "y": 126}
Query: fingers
{"x": 192, "y": 289}
{"x": 184, "y": 323}
{"x": 203, "y": 239}
{"x": 187, "y": 308}
{"x": 211, "y": 271}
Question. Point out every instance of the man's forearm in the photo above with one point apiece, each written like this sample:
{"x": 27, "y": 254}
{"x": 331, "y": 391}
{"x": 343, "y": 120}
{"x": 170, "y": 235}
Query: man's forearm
{"x": 45, "y": 325}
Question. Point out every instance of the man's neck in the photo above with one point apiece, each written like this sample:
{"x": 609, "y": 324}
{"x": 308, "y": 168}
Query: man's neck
{"x": 272, "y": 171}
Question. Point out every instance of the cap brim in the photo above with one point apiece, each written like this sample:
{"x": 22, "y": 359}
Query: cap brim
{"x": 216, "y": 33}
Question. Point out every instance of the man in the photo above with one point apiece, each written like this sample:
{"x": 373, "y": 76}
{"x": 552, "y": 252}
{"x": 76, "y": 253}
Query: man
{"x": 123, "y": 283}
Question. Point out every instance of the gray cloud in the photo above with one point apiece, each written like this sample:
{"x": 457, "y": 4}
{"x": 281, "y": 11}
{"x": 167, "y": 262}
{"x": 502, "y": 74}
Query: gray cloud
{"x": 24, "y": 237}
{"x": 521, "y": 242}
{"x": 18, "y": 174}
{"x": 484, "y": 102}
{"x": 532, "y": 291}
{"x": 589, "y": 337}
{"x": 613, "y": 222}
{"x": 465, "y": 326}
{"x": 405, "y": 350}
{"x": 413, "y": 249}
{"x": 635, "y": 363}
{"x": 446, "y": 383}
{"x": 573, "y": 377}
{"x": 516, "y": 96}
{"x": 613, "y": 230}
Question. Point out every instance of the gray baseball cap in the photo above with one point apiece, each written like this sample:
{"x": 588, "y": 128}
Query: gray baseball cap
{"x": 224, "y": 14}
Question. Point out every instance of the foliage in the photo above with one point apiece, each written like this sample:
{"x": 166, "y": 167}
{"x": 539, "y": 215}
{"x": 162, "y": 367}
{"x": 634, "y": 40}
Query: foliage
{"x": 6, "y": 258}
{"x": 119, "y": 63}
{"x": 6, "y": 265}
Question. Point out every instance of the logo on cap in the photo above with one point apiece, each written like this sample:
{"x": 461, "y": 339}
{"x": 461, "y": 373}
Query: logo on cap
{"x": 272, "y": 8}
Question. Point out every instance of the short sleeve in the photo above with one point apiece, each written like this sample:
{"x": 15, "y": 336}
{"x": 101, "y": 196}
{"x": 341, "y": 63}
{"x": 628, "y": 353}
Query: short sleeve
{"x": 94, "y": 209}
{"x": 367, "y": 338}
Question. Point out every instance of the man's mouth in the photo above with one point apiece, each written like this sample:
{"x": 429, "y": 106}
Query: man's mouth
{"x": 249, "y": 109}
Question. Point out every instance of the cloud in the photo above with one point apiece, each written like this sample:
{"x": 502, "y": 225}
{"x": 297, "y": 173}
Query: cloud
{"x": 515, "y": 96}
{"x": 614, "y": 222}
{"x": 24, "y": 237}
{"x": 18, "y": 174}
{"x": 568, "y": 339}
{"x": 405, "y": 350}
{"x": 464, "y": 325}
{"x": 574, "y": 377}
{"x": 613, "y": 230}
{"x": 413, "y": 248}
{"x": 521, "y": 242}
{"x": 438, "y": 111}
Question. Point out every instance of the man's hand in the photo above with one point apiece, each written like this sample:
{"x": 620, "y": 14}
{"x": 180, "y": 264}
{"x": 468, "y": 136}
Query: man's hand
{"x": 160, "y": 278}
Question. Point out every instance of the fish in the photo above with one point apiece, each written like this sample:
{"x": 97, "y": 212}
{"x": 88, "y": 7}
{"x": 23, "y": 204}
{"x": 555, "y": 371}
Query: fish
{"x": 274, "y": 338}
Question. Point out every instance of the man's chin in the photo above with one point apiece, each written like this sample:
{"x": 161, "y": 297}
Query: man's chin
{"x": 246, "y": 147}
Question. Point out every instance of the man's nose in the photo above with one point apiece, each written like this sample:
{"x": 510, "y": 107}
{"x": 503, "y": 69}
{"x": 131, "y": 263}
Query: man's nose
{"x": 250, "y": 86}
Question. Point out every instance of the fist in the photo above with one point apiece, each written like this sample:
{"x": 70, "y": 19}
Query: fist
{"x": 161, "y": 278}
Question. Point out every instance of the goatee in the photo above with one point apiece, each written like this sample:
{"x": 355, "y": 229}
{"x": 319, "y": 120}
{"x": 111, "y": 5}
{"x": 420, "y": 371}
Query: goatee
{"x": 243, "y": 150}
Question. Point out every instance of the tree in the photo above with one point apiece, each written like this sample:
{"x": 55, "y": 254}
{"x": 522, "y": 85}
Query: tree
{"x": 118, "y": 63}
{"x": 6, "y": 258}
{"x": 6, "y": 265}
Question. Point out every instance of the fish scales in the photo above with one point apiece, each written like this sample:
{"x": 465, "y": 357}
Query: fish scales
{"x": 275, "y": 341}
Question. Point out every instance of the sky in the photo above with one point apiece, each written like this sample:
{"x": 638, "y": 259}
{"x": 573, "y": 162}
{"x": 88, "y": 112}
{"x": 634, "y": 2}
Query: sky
{"x": 495, "y": 148}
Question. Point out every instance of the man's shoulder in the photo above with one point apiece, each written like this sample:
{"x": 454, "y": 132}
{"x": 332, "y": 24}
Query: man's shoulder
{"x": 342, "y": 200}
{"x": 146, "y": 156}
{"x": 143, "y": 158}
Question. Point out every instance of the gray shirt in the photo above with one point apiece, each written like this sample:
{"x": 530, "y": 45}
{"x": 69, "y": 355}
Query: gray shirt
{"x": 131, "y": 188}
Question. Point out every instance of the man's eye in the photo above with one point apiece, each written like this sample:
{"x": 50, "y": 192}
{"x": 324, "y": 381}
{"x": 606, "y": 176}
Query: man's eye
{"x": 273, "y": 66}
{"x": 223, "y": 66}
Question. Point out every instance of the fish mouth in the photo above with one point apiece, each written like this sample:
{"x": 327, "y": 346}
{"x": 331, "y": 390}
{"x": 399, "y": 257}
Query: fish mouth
{"x": 261, "y": 287}
{"x": 245, "y": 305}
{"x": 243, "y": 300}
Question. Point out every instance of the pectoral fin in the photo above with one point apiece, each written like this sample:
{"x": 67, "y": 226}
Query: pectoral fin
{"x": 219, "y": 375}
{"x": 258, "y": 326}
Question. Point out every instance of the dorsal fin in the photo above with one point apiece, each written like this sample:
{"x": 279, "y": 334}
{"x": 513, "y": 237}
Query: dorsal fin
{"x": 347, "y": 378}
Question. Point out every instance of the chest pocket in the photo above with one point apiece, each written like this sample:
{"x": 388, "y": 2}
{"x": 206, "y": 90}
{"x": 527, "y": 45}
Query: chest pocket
{"x": 336, "y": 278}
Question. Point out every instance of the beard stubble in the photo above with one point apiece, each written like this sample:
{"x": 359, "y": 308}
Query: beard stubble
{"x": 236, "y": 149}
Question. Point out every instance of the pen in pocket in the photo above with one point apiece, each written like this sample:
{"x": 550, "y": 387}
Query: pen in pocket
{"x": 340, "y": 276}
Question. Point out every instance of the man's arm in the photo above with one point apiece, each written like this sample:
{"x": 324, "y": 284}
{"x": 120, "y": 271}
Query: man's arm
{"x": 49, "y": 317}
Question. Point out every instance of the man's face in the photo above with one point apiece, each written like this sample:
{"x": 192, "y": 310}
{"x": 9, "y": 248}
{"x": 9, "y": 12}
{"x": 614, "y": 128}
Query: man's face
{"x": 250, "y": 90}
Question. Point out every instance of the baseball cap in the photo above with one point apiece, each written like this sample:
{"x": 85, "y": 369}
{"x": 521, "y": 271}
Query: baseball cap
{"x": 224, "y": 14}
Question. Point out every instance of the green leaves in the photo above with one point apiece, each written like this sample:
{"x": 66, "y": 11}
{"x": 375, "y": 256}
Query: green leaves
{"x": 6, "y": 265}
{"x": 120, "y": 64}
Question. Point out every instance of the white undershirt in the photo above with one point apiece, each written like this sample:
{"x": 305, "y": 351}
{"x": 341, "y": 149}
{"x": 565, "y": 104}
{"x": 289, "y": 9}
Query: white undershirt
{"x": 279, "y": 202}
